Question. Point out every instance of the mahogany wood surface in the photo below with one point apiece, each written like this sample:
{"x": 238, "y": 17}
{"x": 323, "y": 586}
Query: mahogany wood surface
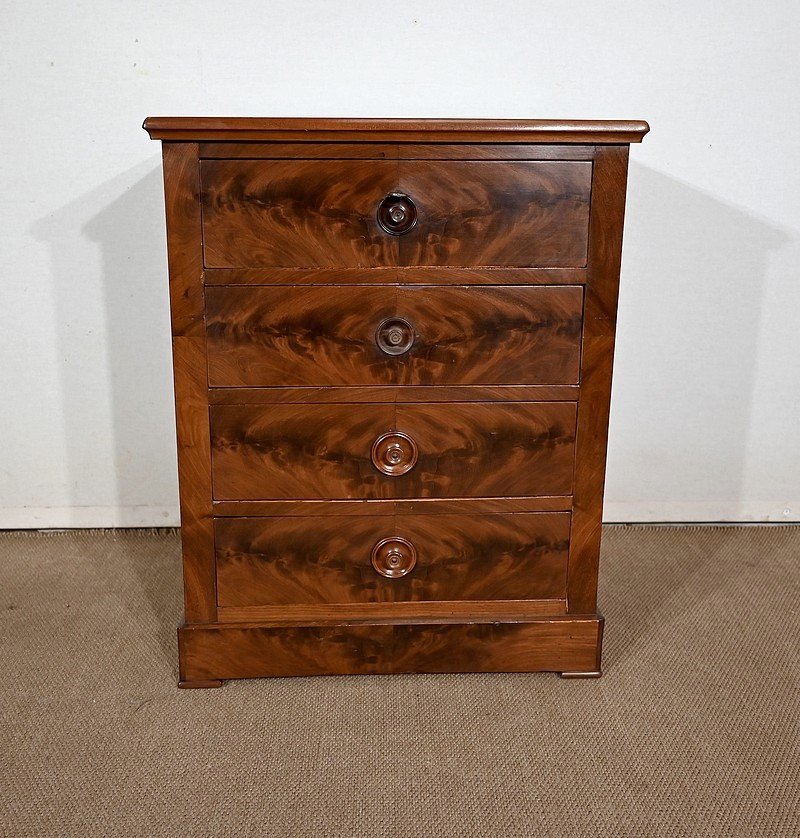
{"x": 250, "y": 650}
{"x": 392, "y": 612}
{"x": 391, "y": 448}
{"x": 181, "y": 188}
{"x": 398, "y": 275}
{"x": 184, "y": 248}
{"x": 398, "y": 395}
{"x": 414, "y": 506}
{"x": 300, "y": 337}
{"x": 324, "y": 451}
{"x": 292, "y": 129}
{"x": 285, "y": 561}
{"x": 211, "y": 684}
{"x": 322, "y": 213}
{"x": 605, "y": 255}
{"x": 397, "y": 151}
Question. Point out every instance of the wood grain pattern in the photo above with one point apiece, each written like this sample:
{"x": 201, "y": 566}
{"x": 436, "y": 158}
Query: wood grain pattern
{"x": 597, "y": 671}
{"x": 322, "y": 213}
{"x": 326, "y": 336}
{"x": 515, "y": 214}
{"x": 393, "y": 612}
{"x": 396, "y": 395}
{"x": 605, "y": 255}
{"x": 293, "y": 129}
{"x": 398, "y": 275}
{"x": 194, "y": 479}
{"x": 397, "y": 151}
{"x": 418, "y": 506}
{"x": 184, "y": 253}
{"x": 182, "y": 187}
{"x": 252, "y": 650}
{"x": 287, "y": 561}
{"x": 306, "y": 213}
{"x": 323, "y": 451}
{"x": 519, "y": 223}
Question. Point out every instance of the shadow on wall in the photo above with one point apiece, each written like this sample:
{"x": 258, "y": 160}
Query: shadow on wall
{"x": 131, "y": 416}
{"x": 695, "y": 273}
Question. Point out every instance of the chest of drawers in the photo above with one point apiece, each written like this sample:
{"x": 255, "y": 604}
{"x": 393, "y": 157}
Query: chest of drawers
{"x": 392, "y": 346}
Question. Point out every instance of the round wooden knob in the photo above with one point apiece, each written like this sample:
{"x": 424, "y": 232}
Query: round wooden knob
{"x": 394, "y": 336}
{"x": 394, "y": 557}
{"x": 394, "y": 453}
{"x": 397, "y": 214}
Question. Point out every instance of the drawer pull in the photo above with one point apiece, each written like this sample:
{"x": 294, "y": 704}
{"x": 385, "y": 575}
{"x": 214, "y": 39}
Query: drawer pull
{"x": 397, "y": 214}
{"x": 394, "y": 557}
{"x": 394, "y": 336}
{"x": 394, "y": 453}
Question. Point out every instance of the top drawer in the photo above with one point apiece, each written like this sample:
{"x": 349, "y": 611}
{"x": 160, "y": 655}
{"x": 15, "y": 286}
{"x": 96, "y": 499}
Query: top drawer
{"x": 324, "y": 213}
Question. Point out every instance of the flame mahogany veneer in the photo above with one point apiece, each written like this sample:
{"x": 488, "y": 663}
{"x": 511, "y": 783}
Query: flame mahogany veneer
{"x": 392, "y": 345}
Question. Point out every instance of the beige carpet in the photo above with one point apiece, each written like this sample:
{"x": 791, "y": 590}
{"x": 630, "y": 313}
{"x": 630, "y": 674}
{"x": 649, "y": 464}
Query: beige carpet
{"x": 693, "y": 730}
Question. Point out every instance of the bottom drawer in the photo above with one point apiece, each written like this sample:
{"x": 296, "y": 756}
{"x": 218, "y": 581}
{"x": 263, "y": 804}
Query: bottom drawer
{"x": 391, "y": 558}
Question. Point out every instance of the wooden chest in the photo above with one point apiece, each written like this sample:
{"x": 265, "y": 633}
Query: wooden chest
{"x": 393, "y": 344}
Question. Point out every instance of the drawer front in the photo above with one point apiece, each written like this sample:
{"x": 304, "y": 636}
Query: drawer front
{"x": 324, "y": 213}
{"x": 305, "y": 560}
{"x": 340, "y": 451}
{"x": 279, "y": 336}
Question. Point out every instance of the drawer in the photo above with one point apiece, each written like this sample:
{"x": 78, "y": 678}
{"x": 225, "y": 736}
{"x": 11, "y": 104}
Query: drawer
{"x": 391, "y": 558}
{"x": 325, "y": 213}
{"x": 279, "y": 336}
{"x": 363, "y": 451}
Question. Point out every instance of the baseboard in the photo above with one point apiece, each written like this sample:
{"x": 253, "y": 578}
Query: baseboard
{"x": 87, "y": 517}
{"x": 689, "y": 512}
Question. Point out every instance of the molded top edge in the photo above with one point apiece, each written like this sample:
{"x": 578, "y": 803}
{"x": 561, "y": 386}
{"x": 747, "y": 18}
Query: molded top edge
{"x": 236, "y": 129}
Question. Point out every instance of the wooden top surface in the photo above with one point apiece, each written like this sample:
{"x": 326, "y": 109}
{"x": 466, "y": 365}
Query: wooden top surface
{"x": 236, "y": 129}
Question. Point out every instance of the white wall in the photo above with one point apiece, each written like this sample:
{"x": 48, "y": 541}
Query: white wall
{"x": 707, "y": 393}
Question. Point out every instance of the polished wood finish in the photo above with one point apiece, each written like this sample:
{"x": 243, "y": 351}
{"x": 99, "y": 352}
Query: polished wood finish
{"x": 285, "y": 561}
{"x": 590, "y": 672}
{"x": 414, "y": 506}
{"x": 395, "y": 395}
{"x": 515, "y": 214}
{"x": 394, "y": 453}
{"x": 182, "y": 187}
{"x": 605, "y": 255}
{"x": 236, "y": 129}
{"x": 300, "y": 337}
{"x": 416, "y": 275}
{"x": 392, "y": 612}
{"x": 397, "y": 151}
{"x": 184, "y": 247}
{"x": 230, "y": 650}
{"x": 324, "y": 451}
{"x": 208, "y": 684}
{"x": 394, "y": 557}
{"x": 306, "y": 213}
{"x": 392, "y": 431}
{"x": 595, "y": 673}
{"x": 324, "y": 213}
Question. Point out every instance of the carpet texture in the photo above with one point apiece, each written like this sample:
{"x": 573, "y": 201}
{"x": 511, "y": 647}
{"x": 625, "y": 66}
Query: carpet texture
{"x": 693, "y": 730}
